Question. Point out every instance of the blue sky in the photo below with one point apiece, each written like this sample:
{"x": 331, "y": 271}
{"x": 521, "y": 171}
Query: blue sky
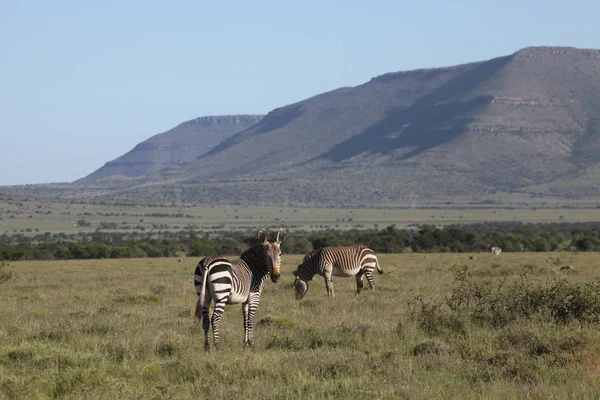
{"x": 83, "y": 82}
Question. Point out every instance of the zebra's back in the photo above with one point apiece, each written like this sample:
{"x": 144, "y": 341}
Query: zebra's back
{"x": 344, "y": 261}
{"x": 244, "y": 280}
{"x": 231, "y": 279}
{"x": 219, "y": 274}
{"x": 347, "y": 260}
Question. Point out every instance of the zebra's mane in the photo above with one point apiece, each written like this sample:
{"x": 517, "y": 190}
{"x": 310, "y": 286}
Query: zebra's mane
{"x": 256, "y": 259}
{"x": 252, "y": 249}
{"x": 252, "y": 252}
{"x": 310, "y": 255}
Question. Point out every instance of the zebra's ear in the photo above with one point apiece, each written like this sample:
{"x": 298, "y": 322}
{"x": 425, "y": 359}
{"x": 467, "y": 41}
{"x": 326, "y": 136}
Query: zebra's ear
{"x": 262, "y": 236}
{"x": 280, "y": 235}
{"x": 295, "y": 273}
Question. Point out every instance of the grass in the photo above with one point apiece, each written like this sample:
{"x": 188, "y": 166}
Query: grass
{"x": 123, "y": 329}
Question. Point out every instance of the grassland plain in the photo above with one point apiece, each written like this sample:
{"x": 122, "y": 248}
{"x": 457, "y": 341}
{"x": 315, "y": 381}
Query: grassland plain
{"x": 123, "y": 329}
{"x": 33, "y": 216}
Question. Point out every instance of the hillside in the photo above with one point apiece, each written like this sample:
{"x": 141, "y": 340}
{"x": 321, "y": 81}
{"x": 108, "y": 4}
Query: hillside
{"x": 527, "y": 124}
{"x": 503, "y": 125}
{"x": 185, "y": 142}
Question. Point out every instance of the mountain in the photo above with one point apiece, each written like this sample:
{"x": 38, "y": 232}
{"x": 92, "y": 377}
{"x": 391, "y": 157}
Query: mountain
{"x": 185, "y": 142}
{"x": 524, "y": 125}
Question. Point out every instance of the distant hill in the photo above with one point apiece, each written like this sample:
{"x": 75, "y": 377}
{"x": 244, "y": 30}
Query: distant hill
{"x": 527, "y": 124}
{"x": 185, "y": 142}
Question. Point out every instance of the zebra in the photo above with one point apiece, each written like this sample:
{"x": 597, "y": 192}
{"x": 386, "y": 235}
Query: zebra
{"x": 233, "y": 282}
{"x": 496, "y": 251}
{"x": 339, "y": 261}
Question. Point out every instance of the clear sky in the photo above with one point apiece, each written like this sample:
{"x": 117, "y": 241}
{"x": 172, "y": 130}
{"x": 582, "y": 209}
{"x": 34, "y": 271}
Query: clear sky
{"x": 82, "y": 82}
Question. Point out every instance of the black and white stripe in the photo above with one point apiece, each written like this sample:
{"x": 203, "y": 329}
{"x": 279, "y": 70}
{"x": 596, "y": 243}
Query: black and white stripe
{"x": 342, "y": 261}
{"x": 233, "y": 282}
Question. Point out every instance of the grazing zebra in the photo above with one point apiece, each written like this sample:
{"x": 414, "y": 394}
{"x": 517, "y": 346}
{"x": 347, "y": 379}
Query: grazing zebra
{"x": 233, "y": 282}
{"x": 496, "y": 250}
{"x": 339, "y": 261}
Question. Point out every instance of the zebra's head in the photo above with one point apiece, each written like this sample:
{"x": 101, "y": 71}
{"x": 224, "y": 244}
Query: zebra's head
{"x": 300, "y": 285}
{"x": 303, "y": 274}
{"x": 273, "y": 252}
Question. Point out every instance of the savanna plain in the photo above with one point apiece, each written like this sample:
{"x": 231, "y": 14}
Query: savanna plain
{"x": 29, "y": 216}
{"x": 437, "y": 326}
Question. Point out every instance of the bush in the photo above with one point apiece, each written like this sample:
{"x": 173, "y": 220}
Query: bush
{"x": 200, "y": 248}
{"x": 434, "y": 319}
{"x": 429, "y": 347}
{"x": 101, "y": 243}
{"x": 5, "y": 275}
{"x": 558, "y": 300}
{"x": 498, "y": 305}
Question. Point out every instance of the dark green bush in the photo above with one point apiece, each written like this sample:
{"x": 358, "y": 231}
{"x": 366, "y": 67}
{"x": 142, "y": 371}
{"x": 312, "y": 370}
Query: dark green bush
{"x": 5, "y": 274}
{"x": 509, "y": 236}
{"x": 501, "y": 303}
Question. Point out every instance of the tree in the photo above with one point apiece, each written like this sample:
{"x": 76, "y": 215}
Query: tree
{"x": 201, "y": 248}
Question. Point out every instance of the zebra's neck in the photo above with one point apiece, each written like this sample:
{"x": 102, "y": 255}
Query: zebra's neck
{"x": 310, "y": 266}
{"x": 256, "y": 259}
{"x": 307, "y": 271}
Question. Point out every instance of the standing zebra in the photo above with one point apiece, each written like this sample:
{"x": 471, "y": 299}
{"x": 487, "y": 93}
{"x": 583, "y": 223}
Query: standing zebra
{"x": 233, "y": 282}
{"x": 339, "y": 261}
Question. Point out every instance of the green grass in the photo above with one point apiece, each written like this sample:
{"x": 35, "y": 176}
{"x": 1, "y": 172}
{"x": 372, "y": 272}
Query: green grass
{"x": 30, "y": 216}
{"x": 123, "y": 329}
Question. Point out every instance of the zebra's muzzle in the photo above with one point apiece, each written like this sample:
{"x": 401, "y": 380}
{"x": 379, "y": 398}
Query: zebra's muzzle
{"x": 275, "y": 278}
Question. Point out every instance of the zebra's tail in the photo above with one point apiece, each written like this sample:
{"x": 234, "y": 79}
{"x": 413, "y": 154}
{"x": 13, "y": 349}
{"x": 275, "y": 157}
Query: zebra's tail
{"x": 200, "y": 280}
{"x": 378, "y": 267}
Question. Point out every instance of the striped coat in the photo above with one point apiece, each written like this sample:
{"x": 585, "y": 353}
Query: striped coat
{"x": 236, "y": 282}
{"x": 343, "y": 261}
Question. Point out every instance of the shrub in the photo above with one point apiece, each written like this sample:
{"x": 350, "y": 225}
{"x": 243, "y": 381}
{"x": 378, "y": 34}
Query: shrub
{"x": 498, "y": 305}
{"x": 434, "y": 318}
{"x": 5, "y": 275}
{"x": 429, "y": 347}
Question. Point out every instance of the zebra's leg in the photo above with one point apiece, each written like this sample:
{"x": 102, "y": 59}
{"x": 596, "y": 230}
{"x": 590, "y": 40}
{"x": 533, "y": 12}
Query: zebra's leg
{"x": 359, "y": 281}
{"x": 328, "y": 281}
{"x": 216, "y": 322}
{"x": 245, "y": 306}
{"x": 370, "y": 279}
{"x": 252, "y": 308}
{"x": 205, "y": 320}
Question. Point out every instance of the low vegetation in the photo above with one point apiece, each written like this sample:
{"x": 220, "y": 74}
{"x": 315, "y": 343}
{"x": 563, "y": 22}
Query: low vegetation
{"x": 511, "y": 237}
{"x": 28, "y": 216}
{"x": 5, "y": 273}
{"x": 437, "y": 326}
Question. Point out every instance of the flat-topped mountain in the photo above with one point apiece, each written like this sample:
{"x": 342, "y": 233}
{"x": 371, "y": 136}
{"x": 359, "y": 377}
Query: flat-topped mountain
{"x": 523, "y": 124}
{"x": 185, "y": 142}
